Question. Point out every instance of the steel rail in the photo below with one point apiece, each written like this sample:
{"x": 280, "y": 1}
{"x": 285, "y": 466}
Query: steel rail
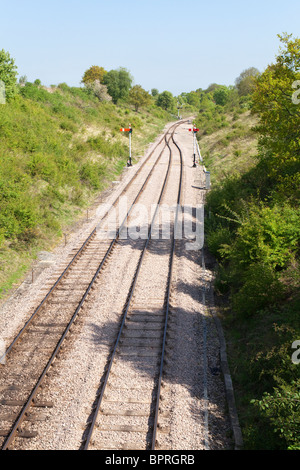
{"x": 92, "y": 424}
{"x": 30, "y": 401}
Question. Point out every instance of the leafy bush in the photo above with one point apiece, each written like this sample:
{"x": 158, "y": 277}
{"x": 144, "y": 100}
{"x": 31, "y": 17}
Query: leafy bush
{"x": 260, "y": 288}
{"x": 34, "y": 92}
{"x": 91, "y": 173}
{"x": 221, "y": 95}
{"x": 217, "y": 238}
{"x": 269, "y": 235}
{"x": 282, "y": 408}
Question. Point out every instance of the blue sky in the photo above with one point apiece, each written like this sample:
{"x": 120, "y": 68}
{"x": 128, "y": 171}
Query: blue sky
{"x": 166, "y": 44}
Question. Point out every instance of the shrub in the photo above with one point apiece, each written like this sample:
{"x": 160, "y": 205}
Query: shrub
{"x": 41, "y": 166}
{"x": 217, "y": 238}
{"x": 282, "y": 408}
{"x": 221, "y": 95}
{"x": 91, "y": 173}
{"x": 33, "y": 92}
{"x": 68, "y": 126}
{"x": 270, "y": 235}
{"x": 260, "y": 289}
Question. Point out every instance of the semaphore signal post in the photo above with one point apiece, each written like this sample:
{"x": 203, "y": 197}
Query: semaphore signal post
{"x": 129, "y": 129}
{"x": 194, "y": 130}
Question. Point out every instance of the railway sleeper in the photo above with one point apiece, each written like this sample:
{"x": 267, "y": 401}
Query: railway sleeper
{"x": 140, "y": 344}
{"x": 143, "y": 318}
{"x": 124, "y": 412}
{"x": 146, "y": 353}
{"x": 25, "y": 434}
{"x": 145, "y": 326}
{"x": 123, "y": 428}
{"x": 134, "y": 335}
{"x": 116, "y": 445}
{"x": 11, "y": 417}
{"x": 36, "y": 404}
{"x": 137, "y": 401}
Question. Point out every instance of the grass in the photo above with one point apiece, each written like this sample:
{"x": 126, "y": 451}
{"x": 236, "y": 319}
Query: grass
{"x": 59, "y": 149}
{"x": 231, "y": 148}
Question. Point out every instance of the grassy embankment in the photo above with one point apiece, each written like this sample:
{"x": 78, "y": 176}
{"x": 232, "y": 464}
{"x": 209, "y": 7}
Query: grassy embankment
{"x": 59, "y": 149}
{"x": 252, "y": 229}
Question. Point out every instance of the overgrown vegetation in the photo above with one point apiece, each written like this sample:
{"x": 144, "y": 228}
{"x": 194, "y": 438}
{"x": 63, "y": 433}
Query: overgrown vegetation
{"x": 59, "y": 147}
{"x": 253, "y": 230}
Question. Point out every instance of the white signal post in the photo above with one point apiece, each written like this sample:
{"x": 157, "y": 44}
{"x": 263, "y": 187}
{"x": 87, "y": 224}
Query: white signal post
{"x": 129, "y": 129}
{"x": 130, "y": 132}
{"x": 194, "y": 130}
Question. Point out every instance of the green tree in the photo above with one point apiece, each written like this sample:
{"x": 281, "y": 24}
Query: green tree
{"x": 221, "y": 95}
{"x": 8, "y": 74}
{"x": 193, "y": 99}
{"x": 165, "y": 100}
{"x": 139, "y": 97}
{"x": 206, "y": 103}
{"x": 246, "y": 81}
{"x": 279, "y": 116}
{"x": 118, "y": 83}
{"x": 212, "y": 87}
{"x": 92, "y": 74}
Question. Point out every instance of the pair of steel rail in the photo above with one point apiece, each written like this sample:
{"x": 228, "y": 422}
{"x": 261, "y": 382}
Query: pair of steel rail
{"x": 30, "y": 401}
{"x": 92, "y": 423}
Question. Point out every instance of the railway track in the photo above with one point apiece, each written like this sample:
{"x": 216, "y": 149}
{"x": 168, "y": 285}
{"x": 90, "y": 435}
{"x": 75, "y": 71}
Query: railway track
{"x": 124, "y": 416}
{"x": 32, "y": 354}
